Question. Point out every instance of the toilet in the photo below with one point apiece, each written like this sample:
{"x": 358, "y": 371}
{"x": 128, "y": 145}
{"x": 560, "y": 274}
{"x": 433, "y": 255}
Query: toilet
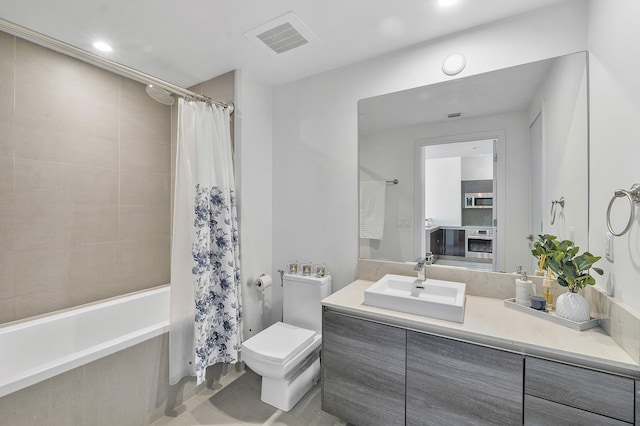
{"x": 287, "y": 354}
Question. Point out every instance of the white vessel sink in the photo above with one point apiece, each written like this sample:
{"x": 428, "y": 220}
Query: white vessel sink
{"x": 430, "y": 298}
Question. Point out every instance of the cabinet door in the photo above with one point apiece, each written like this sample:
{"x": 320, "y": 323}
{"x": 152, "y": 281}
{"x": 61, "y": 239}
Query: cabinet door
{"x": 540, "y": 412}
{"x": 363, "y": 370}
{"x": 457, "y": 383}
{"x": 601, "y": 393}
{"x": 436, "y": 242}
{"x": 637, "y": 402}
{"x": 454, "y": 243}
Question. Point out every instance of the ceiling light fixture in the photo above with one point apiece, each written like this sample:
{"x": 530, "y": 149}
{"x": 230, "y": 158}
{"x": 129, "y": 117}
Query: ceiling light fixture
{"x": 454, "y": 64}
{"x": 447, "y": 3}
{"x": 102, "y": 46}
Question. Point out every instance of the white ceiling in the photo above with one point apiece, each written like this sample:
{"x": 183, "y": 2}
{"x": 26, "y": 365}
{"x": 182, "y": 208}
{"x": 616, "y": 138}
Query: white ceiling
{"x": 497, "y": 92}
{"x": 189, "y": 41}
{"x": 477, "y": 148}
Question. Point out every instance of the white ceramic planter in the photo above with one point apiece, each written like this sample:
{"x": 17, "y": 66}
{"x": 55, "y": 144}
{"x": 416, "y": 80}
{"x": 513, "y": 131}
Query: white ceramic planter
{"x": 573, "y": 306}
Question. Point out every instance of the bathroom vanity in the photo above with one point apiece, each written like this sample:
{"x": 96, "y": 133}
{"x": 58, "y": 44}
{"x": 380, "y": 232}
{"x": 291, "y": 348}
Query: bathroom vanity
{"x": 501, "y": 366}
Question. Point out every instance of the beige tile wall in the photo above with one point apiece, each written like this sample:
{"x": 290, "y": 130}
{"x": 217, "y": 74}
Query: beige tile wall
{"x": 129, "y": 387}
{"x": 85, "y": 180}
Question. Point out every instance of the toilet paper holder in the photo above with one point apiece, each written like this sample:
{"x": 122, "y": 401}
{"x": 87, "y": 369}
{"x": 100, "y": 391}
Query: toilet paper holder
{"x": 263, "y": 281}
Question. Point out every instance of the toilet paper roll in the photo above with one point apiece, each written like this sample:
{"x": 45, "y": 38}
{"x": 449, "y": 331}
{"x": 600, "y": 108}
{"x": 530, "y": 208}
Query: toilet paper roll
{"x": 264, "y": 281}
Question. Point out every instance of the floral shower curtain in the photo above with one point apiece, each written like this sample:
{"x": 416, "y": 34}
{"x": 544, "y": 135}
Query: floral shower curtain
{"x": 206, "y": 310}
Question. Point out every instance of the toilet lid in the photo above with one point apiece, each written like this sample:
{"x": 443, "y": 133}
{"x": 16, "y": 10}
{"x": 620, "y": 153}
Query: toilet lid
{"x": 279, "y": 343}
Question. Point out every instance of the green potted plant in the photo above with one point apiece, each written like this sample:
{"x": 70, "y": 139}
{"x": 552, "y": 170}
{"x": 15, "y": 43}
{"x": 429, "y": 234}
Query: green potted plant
{"x": 572, "y": 271}
{"x": 541, "y": 251}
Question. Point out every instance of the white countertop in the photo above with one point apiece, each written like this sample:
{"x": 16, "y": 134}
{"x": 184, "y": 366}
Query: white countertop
{"x": 436, "y": 227}
{"x": 488, "y": 322}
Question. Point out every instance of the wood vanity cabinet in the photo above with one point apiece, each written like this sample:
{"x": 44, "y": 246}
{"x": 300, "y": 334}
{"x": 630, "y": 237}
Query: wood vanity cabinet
{"x": 456, "y": 383}
{"x": 363, "y": 370}
{"x": 378, "y": 374}
{"x": 557, "y": 393}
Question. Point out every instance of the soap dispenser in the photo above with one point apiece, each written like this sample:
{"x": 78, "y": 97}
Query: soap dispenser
{"x": 525, "y": 288}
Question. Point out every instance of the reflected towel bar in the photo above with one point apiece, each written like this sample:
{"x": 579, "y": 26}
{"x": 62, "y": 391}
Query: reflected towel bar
{"x": 554, "y": 205}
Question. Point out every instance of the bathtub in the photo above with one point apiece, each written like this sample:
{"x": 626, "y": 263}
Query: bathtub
{"x": 37, "y": 349}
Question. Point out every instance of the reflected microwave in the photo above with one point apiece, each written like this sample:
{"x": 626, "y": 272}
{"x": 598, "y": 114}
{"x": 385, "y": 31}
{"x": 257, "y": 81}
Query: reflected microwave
{"x": 478, "y": 200}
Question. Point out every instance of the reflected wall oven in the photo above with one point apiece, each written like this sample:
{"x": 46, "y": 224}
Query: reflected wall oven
{"x": 479, "y": 243}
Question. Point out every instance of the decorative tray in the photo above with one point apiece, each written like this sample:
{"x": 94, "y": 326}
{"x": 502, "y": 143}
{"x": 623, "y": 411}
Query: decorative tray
{"x": 551, "y": 316}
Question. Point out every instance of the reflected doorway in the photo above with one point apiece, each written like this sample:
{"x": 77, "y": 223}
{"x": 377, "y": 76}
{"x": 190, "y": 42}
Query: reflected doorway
{"x": 536, "y": 185}
{"x": 460, "y": 182}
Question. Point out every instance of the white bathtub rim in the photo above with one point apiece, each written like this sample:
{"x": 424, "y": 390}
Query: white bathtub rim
{"x": 66, "y": 312}
{"x": 61, "y": 365}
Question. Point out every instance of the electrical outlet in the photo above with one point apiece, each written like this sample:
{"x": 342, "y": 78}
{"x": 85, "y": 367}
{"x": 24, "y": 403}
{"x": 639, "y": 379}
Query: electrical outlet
{"x": 404, "y": 223}
{"x": 608, "y": 246}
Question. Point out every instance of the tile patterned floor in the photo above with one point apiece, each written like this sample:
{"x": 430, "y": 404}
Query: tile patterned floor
{"x": 236, "y": 401}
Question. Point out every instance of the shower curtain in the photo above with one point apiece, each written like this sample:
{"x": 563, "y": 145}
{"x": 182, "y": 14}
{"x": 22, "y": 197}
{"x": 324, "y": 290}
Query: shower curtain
{"x": 206, "y": 311}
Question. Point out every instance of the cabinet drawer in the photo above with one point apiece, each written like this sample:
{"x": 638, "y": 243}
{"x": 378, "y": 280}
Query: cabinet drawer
{"x": 601, "y": 393}
{"x": 541, "y": 412}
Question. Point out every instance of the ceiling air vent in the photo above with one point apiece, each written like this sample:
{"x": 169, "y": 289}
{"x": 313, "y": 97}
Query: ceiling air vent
{"x": 454, "y": 114}
{"x": 282, "y": 34}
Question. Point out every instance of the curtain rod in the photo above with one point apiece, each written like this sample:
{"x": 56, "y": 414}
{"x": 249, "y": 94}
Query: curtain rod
{"x": 83, "y": 55}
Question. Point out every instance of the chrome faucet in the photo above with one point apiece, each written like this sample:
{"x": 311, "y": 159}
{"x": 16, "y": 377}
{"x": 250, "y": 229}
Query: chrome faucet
{"x": 421, "y": 265}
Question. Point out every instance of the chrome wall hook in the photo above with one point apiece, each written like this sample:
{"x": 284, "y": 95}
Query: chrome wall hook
{"x": 633, "y": 195}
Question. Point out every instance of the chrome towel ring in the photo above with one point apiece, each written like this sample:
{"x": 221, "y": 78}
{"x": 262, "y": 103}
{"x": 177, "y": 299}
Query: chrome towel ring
{"x": 633, "y": 195}
{"x": 554, "y": 206}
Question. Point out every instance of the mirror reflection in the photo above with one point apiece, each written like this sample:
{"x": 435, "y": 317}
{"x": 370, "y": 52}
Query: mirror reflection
{"x": 469, "y": 169}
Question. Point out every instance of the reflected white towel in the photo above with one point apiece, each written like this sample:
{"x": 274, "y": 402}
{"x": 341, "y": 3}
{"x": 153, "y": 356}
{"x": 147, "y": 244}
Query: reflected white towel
{"x": 372, "y": 206}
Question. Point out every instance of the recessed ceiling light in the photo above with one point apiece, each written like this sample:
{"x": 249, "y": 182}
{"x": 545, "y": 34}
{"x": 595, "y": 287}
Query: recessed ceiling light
{"x": 102, "y": 46}
{"x": 447, "y": 3}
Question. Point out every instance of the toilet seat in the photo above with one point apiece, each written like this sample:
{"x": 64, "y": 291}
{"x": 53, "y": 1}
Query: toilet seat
{"x": 281, "y": 350}
{"x": 279, "y": 343}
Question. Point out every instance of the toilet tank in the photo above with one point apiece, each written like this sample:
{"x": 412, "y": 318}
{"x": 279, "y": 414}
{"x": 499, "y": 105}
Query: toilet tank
{"x": 301, "y": 300}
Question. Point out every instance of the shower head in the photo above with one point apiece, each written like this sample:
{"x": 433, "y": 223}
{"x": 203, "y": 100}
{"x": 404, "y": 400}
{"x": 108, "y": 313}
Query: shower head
{"x": 159, "y": 94}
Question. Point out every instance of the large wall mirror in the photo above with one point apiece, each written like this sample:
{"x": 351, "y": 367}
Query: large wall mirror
{"x": 473, "y": 169}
